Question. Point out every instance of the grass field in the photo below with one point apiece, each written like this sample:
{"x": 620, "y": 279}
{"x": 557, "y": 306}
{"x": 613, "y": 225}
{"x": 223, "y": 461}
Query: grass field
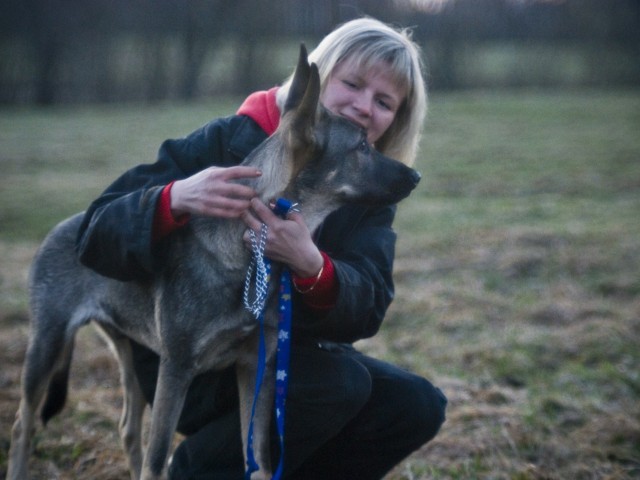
{"x": 518, "y": 279}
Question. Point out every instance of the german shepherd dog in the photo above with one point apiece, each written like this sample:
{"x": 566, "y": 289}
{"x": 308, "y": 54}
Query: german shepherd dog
{"x": 191, "y": 314}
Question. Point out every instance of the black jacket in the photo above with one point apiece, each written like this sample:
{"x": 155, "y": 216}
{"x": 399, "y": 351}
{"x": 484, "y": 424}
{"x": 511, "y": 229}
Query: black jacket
{"x": 115, "y": 236}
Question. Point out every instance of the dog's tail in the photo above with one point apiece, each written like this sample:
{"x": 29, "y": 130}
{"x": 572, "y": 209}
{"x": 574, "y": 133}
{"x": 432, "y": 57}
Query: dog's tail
{"x": 58, "y": 386}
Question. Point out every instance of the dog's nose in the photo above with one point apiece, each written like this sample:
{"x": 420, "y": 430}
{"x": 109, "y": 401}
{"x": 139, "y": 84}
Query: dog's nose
{"x": 415, "y": 176}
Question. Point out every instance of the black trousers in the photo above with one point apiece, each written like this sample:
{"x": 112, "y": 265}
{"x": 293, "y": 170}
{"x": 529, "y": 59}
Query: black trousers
{"x": 348, "y": 416}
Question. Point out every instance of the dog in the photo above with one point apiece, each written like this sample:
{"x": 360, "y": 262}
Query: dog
{"x": 192, "y": 312}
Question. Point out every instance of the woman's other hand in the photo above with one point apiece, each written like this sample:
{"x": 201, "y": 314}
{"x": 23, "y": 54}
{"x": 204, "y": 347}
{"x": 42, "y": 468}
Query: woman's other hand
{"x": 288, "y": 240}
{"x": 213, "y": 192}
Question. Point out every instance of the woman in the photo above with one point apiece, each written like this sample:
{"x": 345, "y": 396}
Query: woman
{"x": 348, "y": 415}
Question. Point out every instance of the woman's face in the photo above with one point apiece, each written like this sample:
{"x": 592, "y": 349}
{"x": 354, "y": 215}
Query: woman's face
{"x": 370, "y": 98}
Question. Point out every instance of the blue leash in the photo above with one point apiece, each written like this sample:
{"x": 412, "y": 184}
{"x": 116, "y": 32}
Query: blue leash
{"x": 283, "y": 351}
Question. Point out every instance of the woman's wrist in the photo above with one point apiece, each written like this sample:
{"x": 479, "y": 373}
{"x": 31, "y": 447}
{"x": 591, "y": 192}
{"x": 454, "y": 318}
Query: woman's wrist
{"x": 175, "y": 197}
{"x": 306, "y": 289}
{"x": 305, "y": 283}
{"x": 311, "y": 268}
{"x": 320, "y": 291}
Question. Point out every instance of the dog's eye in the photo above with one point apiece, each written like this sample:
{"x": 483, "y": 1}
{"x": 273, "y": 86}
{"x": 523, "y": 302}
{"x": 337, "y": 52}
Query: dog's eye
{"x": 364, "y": 146}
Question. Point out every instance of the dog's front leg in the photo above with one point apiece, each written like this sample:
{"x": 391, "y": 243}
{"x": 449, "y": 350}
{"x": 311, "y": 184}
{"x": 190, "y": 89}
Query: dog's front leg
{"x": 246, "y": 375}
{"x": 171, "y": 391}
{"x": 21, "y": 441}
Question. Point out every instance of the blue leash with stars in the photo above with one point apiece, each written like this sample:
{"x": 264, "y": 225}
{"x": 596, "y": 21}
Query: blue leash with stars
{"x": 262, "y": 267}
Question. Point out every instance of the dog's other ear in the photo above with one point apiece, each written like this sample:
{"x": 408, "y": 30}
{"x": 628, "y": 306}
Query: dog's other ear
{"x": 299, "y": 82}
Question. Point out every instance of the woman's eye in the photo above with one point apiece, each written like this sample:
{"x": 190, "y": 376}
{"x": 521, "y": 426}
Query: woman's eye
{"x": 384, "y": 105}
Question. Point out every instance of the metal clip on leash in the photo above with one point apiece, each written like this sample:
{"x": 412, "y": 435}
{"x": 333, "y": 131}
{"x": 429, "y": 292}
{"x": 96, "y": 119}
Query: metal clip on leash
{"x": 283, "y": 207}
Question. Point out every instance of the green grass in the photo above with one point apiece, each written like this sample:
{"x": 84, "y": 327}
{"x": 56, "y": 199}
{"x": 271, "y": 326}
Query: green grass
{"x": 56, "y": 161}
{"x": 518, "y": 284}
{"x": 518, "y": 289}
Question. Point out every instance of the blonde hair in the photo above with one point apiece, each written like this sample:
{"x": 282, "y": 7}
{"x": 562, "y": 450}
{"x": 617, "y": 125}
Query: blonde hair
{"x": 368, "y": 42}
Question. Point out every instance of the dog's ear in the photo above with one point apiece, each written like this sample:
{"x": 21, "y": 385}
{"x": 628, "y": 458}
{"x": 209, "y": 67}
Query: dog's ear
{"x": 303, "y": 118}
{"x": 306, "y": 111}
{"x": 299, "y": 82}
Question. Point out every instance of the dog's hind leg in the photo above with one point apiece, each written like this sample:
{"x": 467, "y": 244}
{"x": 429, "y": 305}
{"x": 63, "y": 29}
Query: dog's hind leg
{"x": 134, "y": 403}
{"x": 46, "y": 370}
{"x": 171, "y": 390}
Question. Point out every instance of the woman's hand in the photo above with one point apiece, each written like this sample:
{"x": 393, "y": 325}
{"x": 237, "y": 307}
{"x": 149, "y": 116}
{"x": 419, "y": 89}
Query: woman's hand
{"x": 288, "y": 240}
{"x": 212, "y": 192}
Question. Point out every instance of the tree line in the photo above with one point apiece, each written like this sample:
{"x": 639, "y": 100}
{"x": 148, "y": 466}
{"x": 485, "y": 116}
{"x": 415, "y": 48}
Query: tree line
{"x": 55, "y": 51}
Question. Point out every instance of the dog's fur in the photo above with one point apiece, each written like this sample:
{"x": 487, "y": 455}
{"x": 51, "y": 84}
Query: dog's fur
{"x": 191, "y": 314}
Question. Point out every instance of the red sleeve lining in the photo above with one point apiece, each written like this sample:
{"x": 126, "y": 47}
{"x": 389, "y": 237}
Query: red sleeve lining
{"x": 325, "y": 292}
{"x": 163, "y": 221}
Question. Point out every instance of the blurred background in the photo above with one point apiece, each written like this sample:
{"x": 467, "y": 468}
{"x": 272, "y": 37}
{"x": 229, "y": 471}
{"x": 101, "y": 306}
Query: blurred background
{"x": 517, "y": 285}
{"x": 99, "y": 51}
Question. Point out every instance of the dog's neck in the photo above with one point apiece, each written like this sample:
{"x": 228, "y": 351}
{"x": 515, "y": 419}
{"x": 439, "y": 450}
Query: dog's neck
{"x": 276, "y": 167}
{"x": 314, "y": 209}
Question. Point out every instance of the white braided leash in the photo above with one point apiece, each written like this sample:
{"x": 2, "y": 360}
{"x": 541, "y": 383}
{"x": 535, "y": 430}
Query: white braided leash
{"x": 261, "y": 273}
